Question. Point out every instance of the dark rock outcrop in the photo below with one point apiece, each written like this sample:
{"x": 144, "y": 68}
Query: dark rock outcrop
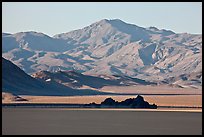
{"x": 109, "y": 102}
{"x": 137, "y": 102}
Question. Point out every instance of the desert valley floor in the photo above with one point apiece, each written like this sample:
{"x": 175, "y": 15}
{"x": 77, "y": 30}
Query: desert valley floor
{"x": 179, "y": 112}
{"x": 54, "y": 121}
{"x": 160, "y": 95}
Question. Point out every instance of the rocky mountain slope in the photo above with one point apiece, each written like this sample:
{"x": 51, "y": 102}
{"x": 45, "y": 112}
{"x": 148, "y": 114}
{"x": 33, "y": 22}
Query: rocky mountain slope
{"x": 17, "y": 82}
{"x": 76, "y": 80}
{"x": 110, "y": 47}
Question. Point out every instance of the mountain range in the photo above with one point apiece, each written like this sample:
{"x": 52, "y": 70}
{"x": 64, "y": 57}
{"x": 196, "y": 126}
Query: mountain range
{"x": 62, "y": 83}
{"x": 16, "y": 82}
{"x": 111, "y": 47}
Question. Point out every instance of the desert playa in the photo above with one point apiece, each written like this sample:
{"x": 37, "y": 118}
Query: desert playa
{"x": 163, "y": 96}
{"x": 177, "y": 114}
{"x": 54, "y": 121}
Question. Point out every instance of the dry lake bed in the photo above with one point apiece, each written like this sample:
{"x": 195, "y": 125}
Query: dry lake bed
{"x": 56, "y": 121}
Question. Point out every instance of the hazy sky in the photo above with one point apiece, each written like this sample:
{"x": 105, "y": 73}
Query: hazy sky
{"x": 53, "y": 18}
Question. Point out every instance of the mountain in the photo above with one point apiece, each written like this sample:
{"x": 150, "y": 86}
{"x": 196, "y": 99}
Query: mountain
{"x": 33, "y": 41}
{"x": 17, "y": 82}
{"x": 109, "y": 47}
{"x": 106, "y": 32}
{"x": 193, "y": 80}
{"x": 26, "y": 49}
{"x": 103, "y": 38}
{"x": 76, "y": 80}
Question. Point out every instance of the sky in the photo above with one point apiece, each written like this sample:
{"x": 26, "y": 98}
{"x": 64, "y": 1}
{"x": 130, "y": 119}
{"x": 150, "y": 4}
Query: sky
{"x": 52, "y": 18}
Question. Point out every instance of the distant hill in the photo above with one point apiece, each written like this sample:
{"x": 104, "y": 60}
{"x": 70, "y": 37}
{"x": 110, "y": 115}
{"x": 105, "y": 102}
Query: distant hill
{"x": 17, "y": 82}
{"x": 75, "y": 79}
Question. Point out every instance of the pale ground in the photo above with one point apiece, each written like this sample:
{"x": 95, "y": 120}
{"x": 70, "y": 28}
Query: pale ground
{"x": 160, "y": 100}
{"x": 57, "y": 121}
{"x": 162, "y": 89}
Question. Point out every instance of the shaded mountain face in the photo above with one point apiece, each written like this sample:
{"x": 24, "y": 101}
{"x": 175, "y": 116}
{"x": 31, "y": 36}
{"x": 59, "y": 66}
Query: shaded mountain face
{"x": 17, "y": 82}
{"x": 76, "y": 80}
{"x": 110, "y": 47}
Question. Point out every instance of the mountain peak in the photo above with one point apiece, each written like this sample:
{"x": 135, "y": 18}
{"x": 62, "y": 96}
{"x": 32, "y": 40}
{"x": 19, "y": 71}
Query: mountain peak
{"x": 113, "y": 22}
{"x": 101, "y": 22}
{"x": 33, "y": 33}
{"x": 117, "y": 20}
{"x": 104, "y": 20}
{"x": 153, "y": 28}
{"x": 158, "y": 31}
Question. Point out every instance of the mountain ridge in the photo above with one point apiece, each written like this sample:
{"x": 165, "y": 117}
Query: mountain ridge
{"x": 108, "y": 47}
{"x": 16, "y": 81}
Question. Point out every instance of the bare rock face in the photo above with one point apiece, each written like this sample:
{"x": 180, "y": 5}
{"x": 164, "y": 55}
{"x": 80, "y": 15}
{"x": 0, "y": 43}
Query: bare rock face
{"x": 137, "y": 102}
{"x": 110, "y": 47}
{"x": 75, "y": 79}
{"x": 109, "y": 102}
